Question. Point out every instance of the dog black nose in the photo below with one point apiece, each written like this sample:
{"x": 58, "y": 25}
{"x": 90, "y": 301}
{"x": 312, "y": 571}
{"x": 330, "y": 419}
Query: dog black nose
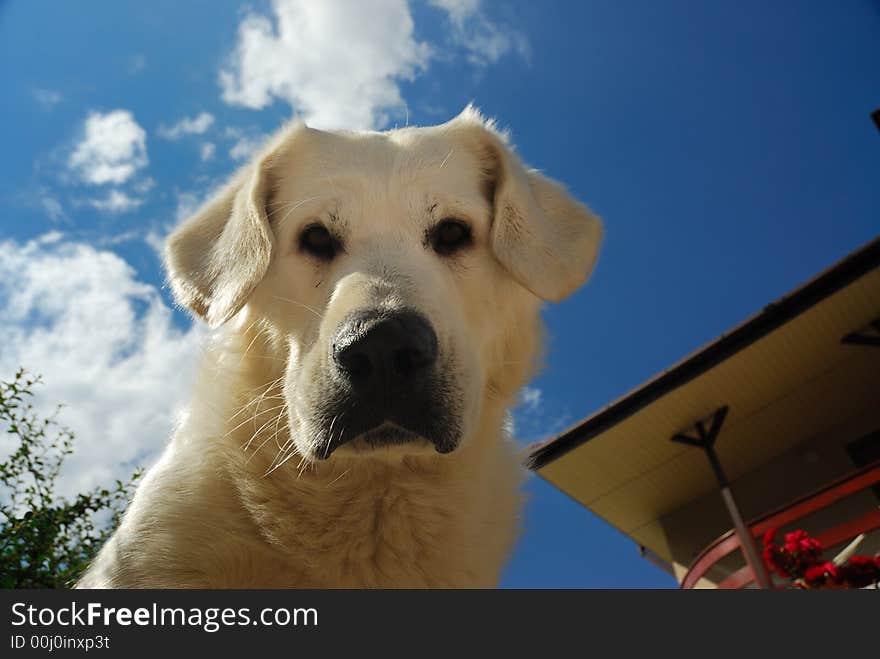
{"x": 386, "y": 352}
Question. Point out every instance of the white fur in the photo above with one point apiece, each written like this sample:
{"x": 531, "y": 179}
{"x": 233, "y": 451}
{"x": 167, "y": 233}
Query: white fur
{"x": 238, "y": 499}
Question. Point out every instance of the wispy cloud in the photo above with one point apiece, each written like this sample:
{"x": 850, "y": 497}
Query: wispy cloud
{"x": 120, "y": 238}
{"x": 187, "y": 126}
{"x": 112, "y": 149}
{"x": 530, "y": 398}
{"x": 484, "y": 40}
{"x": 187, "y": 204}
{"x": 107, "y": 348}
{"x": 144, "y": 185}
{"x": 155, "y": 239}
{"x": 116, "y": 201}
{"x": 535, "y": 418}
{"x": 245, "y": 142}
{"x": 52, "y": 207}
{"x": 459, "y": 10}
{"x": 244, "y": 147}
{"x": 206, "y": 151}
{"x": 136, "y": 64}
{"x": 47, "y": 98}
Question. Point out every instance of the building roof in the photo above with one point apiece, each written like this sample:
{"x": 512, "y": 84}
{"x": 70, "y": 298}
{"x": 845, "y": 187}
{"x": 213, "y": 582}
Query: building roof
{"x": 784, "y": 374}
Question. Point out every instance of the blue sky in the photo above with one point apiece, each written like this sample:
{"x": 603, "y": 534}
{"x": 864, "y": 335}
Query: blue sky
{"x": 727, "y": 146}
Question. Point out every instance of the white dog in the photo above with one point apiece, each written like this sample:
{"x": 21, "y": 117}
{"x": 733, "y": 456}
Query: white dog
{"x": 379, "y": 295}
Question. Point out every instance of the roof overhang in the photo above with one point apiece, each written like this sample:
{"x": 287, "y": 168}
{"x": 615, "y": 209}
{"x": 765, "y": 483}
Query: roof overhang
{"x": 785, "y": 374}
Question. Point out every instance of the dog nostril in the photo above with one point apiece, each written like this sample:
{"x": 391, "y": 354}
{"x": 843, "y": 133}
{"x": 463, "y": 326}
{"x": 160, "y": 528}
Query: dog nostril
{"x": 358, "y": 365}
{"x": 407, "y": 361}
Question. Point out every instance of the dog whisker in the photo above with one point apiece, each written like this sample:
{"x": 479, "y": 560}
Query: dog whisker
{"x": 278, "y": 466}
{"x": 338, "y": 478}
{"x": 266, "y": 386}
{"x": 297, "y": 205}
{"x": 448, "y": 155}
{"x": 299, "y": 304}
{"x": 265, "y": 390}
{"x": 259, "y": 399}
{"x": 253, "y": 419}
{"x": 265, "y": 330}
{"x": 282, "y": 452}
{"x": 253, "y": 404}
{"x": 257, "y": 432}
{"x": 304, "y": 464}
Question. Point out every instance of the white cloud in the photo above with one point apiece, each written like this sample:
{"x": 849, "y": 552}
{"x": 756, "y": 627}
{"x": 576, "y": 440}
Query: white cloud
{"x": 206, "y": 151}
{"x": 113, "y": 148}
{"x": 116, "y": 201}
{"x": 338, "y": 63}
{"x": 484, "y": 40}
{"x": 106, "y": 346}
{"x": 187, "y": 126}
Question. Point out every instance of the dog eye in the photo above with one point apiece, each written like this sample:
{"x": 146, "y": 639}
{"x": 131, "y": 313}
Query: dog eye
{"x": 319, "y": 242}
{"x": 450, "y": 235}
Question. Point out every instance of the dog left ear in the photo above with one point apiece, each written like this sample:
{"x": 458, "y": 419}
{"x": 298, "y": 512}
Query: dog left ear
{"x": 543, "y": 236}
{"x": 218, "y": 256}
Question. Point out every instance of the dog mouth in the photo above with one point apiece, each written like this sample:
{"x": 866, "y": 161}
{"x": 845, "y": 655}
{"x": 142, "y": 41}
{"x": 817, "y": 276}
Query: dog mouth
{"x": 387, "y": 433}
{"x": 384, "y": 433}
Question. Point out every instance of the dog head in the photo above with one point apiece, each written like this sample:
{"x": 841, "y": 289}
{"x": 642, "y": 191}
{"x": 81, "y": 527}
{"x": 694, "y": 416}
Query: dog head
{"x": 402, "y": 270}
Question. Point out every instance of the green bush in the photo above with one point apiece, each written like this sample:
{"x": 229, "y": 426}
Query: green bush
{"x": 46, "y": 541}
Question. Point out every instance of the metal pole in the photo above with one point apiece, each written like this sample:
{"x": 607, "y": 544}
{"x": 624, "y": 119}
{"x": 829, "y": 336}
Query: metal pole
{"x": 706, "y": 440}
{"x": 747, "y": 541}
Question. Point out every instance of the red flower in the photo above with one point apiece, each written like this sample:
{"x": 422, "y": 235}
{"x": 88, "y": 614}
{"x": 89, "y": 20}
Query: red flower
{"x": 809, "y": 545}
{"x": 862, "y": 562}
{"x": 800, "y": 560}
{"x": 793, "y": 540}
{"x": 860, "y": 571}
{"x": 773, "y": 555}
{"x": 816, "y": 575}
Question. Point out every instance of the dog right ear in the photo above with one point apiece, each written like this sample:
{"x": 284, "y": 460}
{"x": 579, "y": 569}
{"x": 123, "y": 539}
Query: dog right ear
{"x": 217, "y": 257}
{"x": 544, "y": 237}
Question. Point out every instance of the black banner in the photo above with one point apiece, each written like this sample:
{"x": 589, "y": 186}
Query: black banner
{"x": 110, "y": 623}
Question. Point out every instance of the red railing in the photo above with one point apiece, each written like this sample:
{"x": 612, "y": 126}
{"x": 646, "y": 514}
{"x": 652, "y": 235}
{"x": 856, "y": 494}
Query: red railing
{"x": 794, "y": 511}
